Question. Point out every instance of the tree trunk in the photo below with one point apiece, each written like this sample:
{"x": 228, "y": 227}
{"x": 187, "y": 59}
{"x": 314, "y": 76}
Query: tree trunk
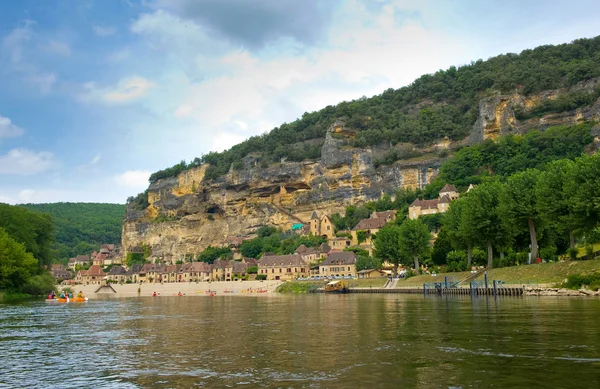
{"x": 395, "y": 271}
{"x": 534, "y": 244}
{"x": 469, "y": 256}
{"x": 416, "y": 265}
{"x": 571, "y": 239}
{"x": 490, "y": 256}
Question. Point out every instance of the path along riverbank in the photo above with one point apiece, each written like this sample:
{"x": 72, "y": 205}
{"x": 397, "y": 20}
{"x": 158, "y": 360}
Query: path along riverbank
{"x": 186, "y": 288}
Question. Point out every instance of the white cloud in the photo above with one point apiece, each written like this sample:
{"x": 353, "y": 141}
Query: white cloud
{"x": 104, "y": 30}
{"x": 8, "y": 129}
{"x": 26, "y": 162}
{"x": 126, "y": 90}
{"x": 26, "y": 196}
{"x": 134, "y": 179}
{"x": 59, "y": 48}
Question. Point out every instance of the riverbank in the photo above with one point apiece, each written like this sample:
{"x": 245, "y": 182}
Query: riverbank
{"x": 186, "y": 288}
{"x": 542, "y": 274}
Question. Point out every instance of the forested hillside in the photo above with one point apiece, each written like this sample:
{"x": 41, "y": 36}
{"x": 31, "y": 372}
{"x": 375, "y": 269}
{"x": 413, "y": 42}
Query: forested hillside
{"x": 444, "y": 104}
{"x": 81, "y": 228}
{"x": 26, "y": 240}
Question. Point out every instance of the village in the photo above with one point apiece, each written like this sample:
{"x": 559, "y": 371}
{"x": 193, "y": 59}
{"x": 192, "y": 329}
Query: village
{"x": 330, "y": 260}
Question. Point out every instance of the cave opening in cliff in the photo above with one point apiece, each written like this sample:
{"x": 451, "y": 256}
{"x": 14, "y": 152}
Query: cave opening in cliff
{"x": 214, "y": 209}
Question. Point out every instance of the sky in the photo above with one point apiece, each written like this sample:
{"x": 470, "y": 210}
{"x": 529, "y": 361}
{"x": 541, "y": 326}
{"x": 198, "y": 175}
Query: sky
{"x": 97, "y": 94}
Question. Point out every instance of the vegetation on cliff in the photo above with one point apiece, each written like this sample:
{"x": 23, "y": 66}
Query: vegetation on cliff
{"x": 81, "y": 228}
{"x": 26, "y": 240}
{"x": 434, "y": 106}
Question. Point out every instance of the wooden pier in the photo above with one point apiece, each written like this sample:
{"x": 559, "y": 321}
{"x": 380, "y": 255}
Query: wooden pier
{"x": 440, "y": 291}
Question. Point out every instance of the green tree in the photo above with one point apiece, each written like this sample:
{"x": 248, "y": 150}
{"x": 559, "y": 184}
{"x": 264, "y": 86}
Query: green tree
{"x": 16, "y": 264}
{"x": 441, "y": 247}
{"x": 387, "y": 246}
{"x": 481, "y": 218}
{"x": 252, "y": 248}
{"x": 365, "y": 262}
{"x": 458, "y": 231}
{"x": 554, "y": 198}
{"x": 585, "y": 191}
{"x": 518, "y": 205}
{"x": 210, "y": 254}
{"x": 414, "y": 240}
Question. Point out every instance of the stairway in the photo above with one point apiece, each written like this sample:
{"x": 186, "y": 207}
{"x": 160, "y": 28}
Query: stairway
{"x": 471, "y": 277}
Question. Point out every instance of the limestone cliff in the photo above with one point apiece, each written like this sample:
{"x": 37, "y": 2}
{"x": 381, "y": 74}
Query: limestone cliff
{"x": 186, "y": 213}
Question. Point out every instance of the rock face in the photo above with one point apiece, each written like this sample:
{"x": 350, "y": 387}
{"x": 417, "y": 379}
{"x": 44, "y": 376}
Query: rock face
{"x": 187, "y": 214}
{"x": 497, "y": 113}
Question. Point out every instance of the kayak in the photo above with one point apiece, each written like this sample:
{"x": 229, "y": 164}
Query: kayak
{"x": 73, "y": 300}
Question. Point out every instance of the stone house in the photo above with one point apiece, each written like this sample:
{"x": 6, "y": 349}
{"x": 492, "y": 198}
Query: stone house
{"x": 194, "y": 272}
{"x": 339, "y": 264}
{"x": 369, "y": 273}
{"x": 321, "y": 226}
{"x": 430, "y": 207}
{"x": 99, "y": 259}
{"x": 339, "y": 243}
{"x": 133, "y": 273}
{"x": 80, "y": 260}
{"x": 283, "y": 267}
{"x": 142, "y": 274}
{"x": 59, "y": 273}
{"x": 170, "y": 273}
{"x": 117, "y": 274}
{"x": 93, "y": 276}
{"x": 369, "y": 227}
{"x": 308, "y": 254}
{"x": 221, "y": 270}
{"x": 154, "y": 274}
{"x": 388, "y": 215}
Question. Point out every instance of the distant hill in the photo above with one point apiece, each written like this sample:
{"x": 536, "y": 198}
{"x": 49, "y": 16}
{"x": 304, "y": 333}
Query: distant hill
{"x": 81, "y": 228}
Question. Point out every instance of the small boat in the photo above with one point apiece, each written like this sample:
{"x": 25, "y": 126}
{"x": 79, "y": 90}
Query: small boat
{"x": 68, "y": 300}
{"x": 338, "y": 286}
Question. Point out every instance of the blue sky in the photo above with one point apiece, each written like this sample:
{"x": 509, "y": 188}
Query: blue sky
{"x": 97, "y": 94}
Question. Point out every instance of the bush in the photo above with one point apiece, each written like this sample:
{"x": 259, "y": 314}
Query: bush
{"x": 578, "y": 281}
{"x": 39, "y": 285}
{"x": 254, "y": 270}
{"x": 456, "y": 260}
{"x": 297, "y": 287}
{"x": 548, "y": 253}
{"x": 261, "y": 277}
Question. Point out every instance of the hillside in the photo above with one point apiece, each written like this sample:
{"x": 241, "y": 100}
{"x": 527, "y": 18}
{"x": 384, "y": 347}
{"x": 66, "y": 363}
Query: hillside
{"x": 446, "y": 104}
{"x": 357, "y": 151}
{"x": 80, "y": 228}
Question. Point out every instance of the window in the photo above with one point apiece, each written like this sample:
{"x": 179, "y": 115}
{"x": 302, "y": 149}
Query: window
{"x": 272, "y": 270}
{"x": 289, "y": 269}
{"x": 328, "y": 228}
{"x": 280, "y": 270}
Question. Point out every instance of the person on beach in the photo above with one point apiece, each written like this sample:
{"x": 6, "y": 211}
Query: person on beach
{"x": 179, "y": 294}
{"x": 154, "y": 294}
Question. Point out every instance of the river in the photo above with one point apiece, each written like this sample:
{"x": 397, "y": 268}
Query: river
{"x": 302, "y": 341}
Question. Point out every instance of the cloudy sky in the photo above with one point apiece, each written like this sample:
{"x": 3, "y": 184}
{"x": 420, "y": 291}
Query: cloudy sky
{"x": 96, "y": 94}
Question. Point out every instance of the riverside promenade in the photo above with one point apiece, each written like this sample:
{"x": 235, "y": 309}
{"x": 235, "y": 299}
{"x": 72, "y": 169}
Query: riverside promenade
{"x": 220, "y": 288}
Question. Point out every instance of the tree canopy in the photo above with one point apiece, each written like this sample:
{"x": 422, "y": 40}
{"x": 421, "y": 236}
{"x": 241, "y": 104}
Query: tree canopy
{"x": 81, "y": 228}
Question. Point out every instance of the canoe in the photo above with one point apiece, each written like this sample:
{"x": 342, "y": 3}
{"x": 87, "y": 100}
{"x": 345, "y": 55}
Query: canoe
{"x": 73, "y": 300}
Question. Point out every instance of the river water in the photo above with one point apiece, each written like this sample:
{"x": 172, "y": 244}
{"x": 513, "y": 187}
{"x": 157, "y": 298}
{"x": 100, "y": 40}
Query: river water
{"x": 307, "y": 341}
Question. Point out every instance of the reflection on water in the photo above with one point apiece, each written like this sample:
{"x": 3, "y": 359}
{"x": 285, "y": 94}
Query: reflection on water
{"x": 313, "y": 341}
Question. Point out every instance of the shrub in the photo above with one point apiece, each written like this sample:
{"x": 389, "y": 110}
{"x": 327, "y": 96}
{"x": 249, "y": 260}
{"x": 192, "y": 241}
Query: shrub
{"x": 254, "y": 270}
{"x": 548, "y": 253}
{"x": 577, "y": 281}
{"x": 261, "y": 277}
{"x": 39, "y": 285}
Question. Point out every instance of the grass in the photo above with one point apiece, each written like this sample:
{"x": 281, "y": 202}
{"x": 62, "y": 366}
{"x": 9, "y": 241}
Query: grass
{"x": 367, "y": 282}
{"x": 543, "y": 273}
{"x": 298, "y": 287}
